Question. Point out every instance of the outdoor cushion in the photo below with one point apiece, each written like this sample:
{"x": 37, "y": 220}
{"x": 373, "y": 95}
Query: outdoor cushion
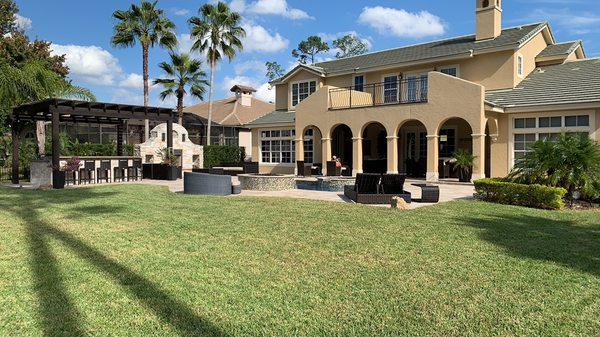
{"x": 393, "y": 183}
{"x": 367, "y": 183}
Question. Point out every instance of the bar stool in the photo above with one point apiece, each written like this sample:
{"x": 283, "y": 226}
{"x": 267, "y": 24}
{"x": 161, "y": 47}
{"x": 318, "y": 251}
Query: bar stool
{"x": 133, "y": 172}
{"x": 121, "y": 171}
{"x": 103, "y": 172}
{"x": 87, "y": 172}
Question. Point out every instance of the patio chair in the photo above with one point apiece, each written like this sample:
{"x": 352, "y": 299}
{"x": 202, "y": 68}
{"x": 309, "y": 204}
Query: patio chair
{"x": 365, "y": 187}
{"x": 103, "y": 172}
{"x": 250, "y": 167}
{"x": 133, "y": 171}
{"x": 393, "y": 183}
{"x": 87, "y": 172}
{"x": 120, "y": 172}
{"x": 333, "y": 170}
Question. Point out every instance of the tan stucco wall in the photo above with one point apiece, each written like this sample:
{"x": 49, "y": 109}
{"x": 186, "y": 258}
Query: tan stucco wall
{"x": 493, "y": 71}
{"x": 499, "y": 153}
{"x": 245, "y": 141}
{"x": 529, "y": 52}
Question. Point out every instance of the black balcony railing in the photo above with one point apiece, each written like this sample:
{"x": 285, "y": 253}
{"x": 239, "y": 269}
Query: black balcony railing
{"x": 405, "y": 91}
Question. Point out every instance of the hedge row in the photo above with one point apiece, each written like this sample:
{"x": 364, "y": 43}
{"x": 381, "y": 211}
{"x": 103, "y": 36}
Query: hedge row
{"x": 215, "y": 155}
{"x": 536, "y": 196}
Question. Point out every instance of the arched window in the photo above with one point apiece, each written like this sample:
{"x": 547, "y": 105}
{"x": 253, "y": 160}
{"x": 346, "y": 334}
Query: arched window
{"x": 485, "y": 3}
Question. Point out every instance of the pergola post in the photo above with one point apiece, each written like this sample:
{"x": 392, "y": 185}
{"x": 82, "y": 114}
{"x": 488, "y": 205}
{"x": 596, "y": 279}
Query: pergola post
{"x": 120, "y": 138}
{"x": 55, "y": 142}
{"x": 15, "y": 151}
{"x": 170, "y": 134}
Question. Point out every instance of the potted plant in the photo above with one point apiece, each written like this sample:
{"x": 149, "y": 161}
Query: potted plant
{"x": 463, "y": 163}
{"x": 59, "y": 174}
{"x": 170, "y": 161}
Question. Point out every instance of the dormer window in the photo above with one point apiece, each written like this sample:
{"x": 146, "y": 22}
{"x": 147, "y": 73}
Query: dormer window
{"x": 301, "y": 90}
{"x": 520, "y": 65}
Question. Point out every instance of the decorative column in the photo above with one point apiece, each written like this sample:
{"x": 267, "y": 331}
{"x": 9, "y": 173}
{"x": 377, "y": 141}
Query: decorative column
{"x": 55, "y": 143}
{"x": 299, "y": 154}
{"x": 479, "y": 153}
{"x": 433, "y": 173}
{"x": 170, "y": 134}
{"x": 357, "y": 156}
{"x": 392, "y": 154}
{"x": 325, "y": 153}
{"x": 15, "y": 128}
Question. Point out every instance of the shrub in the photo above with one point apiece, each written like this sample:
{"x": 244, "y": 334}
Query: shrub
{"x": 533, "y": 195}
{"x": 215, "y": 155}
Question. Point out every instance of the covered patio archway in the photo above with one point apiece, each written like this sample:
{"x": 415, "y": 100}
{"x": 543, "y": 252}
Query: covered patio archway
{"x": 374, "y": 148}
{"x": 412, "y": 149}
{"x": 341, "y": 145}
{"x": 454, "y": 134}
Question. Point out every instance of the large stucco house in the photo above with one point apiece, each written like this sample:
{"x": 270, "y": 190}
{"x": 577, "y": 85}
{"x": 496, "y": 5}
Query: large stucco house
{"x": 409, "y": 109}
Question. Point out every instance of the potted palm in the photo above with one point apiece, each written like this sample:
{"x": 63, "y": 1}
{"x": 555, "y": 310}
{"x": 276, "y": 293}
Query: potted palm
{"x": 170, "y": 161}
{"x": 463, "y": 163}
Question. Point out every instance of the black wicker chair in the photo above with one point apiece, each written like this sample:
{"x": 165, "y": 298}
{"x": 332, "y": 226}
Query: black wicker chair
{"x": 250, "y": 167}
{"x": 87, "y": 172}
{"x": 120, "y": 172}
{"x": 134, "y": 171}
{"x": 333, "y": 170}
{"x": 103, "y": 172}
{"x": 369, "y": 189}
{"x": 392, "y": 183}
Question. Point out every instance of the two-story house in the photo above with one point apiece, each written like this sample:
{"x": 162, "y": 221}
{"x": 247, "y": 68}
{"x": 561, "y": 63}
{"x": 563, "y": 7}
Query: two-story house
{"x": 409, "y": 109}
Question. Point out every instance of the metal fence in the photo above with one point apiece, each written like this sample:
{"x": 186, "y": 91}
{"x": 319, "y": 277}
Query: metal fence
{"x": 405, "y": 91}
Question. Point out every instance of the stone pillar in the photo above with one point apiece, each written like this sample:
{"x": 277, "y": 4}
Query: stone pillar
{"x": 357, "y": 155}
{"x": 392, "y": 154}
{"x": 55, "y": 143}
{"x": 433, "y": 173}
{"x": 325, "y": 153}
{"x": 15, "y": 151}
{"x": 299, "y": 154}
{"x": 479, "y": 153}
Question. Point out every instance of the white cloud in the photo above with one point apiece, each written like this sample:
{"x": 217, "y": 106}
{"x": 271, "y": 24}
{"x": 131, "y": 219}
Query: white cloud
{"x": 181, "y": 11}
{"x": 125, "y": 96}
{"x": 401, "y": 23}
{"x": 575, "y": 23}
{"x": 262, "y": 88}
{"x": 90, "y": 64}
{"x": 22, "y": 22}
{"x": 269, "y": 7}
{"x": 259, "y": 39}
{"x": 253, "y": 66}
{"x": 133, "y": 81}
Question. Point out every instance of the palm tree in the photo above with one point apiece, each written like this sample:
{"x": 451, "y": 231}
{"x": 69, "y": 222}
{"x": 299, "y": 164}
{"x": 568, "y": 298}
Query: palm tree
{"x": 149, "y": 26}
{"x": 182, "y": 72}
{"x": 217, "y": 33}
{"x": 31, "y": 82}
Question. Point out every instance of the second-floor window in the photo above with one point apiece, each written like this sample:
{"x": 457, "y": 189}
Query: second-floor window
{"x": 520, "y": 66}
{"x": 301, "y": 90}
{"x": 359, "y": 83}
{"x": 390, "y": 89}
{"x": 452, "y": 71}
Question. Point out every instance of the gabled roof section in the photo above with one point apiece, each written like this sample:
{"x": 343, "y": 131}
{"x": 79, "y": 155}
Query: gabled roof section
{"x": 568, "y": 83}
{"x": 510, "y": 38}
{"x": 561, "y": 49}
{"x": 310, "y": 68}
{"x": 276, "y": 117}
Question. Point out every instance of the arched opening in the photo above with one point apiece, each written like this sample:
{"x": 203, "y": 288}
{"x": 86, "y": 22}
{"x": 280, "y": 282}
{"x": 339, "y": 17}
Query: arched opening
{"x": 312, "y": 148}
{"x": 374, "y": 141}
{"x": 412, "y": 149}
{"x": 454, "y": 134}
{"x": 341, "y": 145}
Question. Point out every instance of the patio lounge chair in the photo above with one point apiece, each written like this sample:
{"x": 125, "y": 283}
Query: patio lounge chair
{"x": 369, "y": 189}
{"x": 206, "y": 184}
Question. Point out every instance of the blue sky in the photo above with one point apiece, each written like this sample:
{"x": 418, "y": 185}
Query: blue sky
{"x": 82, "y": 30}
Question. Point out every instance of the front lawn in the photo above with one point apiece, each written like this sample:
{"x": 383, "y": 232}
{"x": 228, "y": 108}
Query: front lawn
{"x": 138, "y": 261}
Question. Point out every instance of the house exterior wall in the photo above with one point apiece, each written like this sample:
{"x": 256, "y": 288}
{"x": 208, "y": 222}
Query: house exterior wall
{"x": 529, "y": 52}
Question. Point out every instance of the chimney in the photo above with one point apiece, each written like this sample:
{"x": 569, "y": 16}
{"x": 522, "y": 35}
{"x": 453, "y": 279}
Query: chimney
{"x": 489, "y": 19}
{"x": 243, "y": 94}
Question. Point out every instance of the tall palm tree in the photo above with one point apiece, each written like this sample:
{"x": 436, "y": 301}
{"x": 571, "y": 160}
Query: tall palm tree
{"x": 149, "y": 26}
{"x": 218, "y": 34}
{"x": 182, "y": 72}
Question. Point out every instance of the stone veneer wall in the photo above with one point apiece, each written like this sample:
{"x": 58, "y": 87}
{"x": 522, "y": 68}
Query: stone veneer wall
{"x": 254, "y": 182}
{"x": 152, "y": 146}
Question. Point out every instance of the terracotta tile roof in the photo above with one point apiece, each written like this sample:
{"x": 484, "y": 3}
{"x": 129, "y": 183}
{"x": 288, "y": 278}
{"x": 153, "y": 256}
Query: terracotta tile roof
{"x": 231, "y": 112}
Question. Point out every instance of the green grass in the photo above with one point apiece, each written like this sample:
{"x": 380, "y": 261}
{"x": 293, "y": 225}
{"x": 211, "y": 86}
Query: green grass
{"x": 139, "y": 261}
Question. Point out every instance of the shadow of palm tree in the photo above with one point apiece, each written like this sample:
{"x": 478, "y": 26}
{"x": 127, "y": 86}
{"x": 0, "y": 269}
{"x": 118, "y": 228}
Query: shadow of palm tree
{"x": 560, "y": 241}
{"x": 59, "y": 314}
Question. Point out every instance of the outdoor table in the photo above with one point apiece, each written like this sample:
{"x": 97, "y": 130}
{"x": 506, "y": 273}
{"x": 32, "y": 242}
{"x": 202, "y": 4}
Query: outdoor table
{"x": 429, "y": 193}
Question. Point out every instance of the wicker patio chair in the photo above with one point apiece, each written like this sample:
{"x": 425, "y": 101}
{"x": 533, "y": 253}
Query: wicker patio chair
{"x": 87, "y": 172}
{"x": 103, "y": 172}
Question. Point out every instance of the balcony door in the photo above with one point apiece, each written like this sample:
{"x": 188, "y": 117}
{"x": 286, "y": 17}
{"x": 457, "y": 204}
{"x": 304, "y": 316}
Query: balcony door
{"x": 416, "y": 87}
{"x": 390, "y": 89}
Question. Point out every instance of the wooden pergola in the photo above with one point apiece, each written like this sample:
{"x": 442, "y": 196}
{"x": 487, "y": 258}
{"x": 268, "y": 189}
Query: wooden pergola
{"x": 64, "y": 110}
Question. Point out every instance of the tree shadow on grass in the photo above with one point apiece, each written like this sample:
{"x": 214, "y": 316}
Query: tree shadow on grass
{"x": 559, "y": 241}
{"x": 59, "y": 315}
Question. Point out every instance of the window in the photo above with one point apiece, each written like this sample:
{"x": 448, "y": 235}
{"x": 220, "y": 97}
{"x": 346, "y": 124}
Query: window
{"x": 417, "y": 88}
{"x": 550, "y": 122}
{"x": 423, "y": 145}
{"x": 524, "y": 123}
{"x": 523, "y": 143}
{"x": 447, "y": 142}
{"x": 520, "y": 65}
{"x": 278, "y": 146}
{"x": 359, "y": 83}
{"x": 302, "y": 90}
{"x": 309, "y": 146}
{"x": 548, "y": 136}
{"x": 390, "y": 89}
{"x": 452, "y": 71}
{"x": 577, "y": 121}
{"x": 183, "y": 137}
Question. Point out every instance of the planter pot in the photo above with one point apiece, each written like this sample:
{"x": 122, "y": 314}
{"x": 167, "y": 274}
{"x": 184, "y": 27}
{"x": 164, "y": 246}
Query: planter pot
{"x": 58, "y": 179}
{"x": 172, "y": 173}
{"x": 464, "y": 176}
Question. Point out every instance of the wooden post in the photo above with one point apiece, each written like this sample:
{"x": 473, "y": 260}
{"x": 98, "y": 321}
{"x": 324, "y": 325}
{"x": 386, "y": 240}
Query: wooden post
{"x": 120, "y": 138}
{"x": 15, "y": 152}
{"x": 170, "y": 134}
{"x": 55, "y": 142}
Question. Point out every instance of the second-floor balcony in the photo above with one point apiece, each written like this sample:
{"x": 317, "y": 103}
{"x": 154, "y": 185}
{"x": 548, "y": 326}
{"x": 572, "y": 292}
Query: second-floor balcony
{"x": 404, "y": 91}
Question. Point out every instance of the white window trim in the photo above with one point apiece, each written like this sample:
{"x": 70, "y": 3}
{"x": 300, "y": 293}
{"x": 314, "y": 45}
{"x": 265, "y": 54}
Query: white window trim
{"x": 309, "y": 138}
{"x": 354, "y": 80}
{"x": 291, "y": 94}
{"x": 450, "y": 66}
{"x": 520, "y": 58}
{"x": 591, "y": 129}
{"x": 260, "y": 140}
